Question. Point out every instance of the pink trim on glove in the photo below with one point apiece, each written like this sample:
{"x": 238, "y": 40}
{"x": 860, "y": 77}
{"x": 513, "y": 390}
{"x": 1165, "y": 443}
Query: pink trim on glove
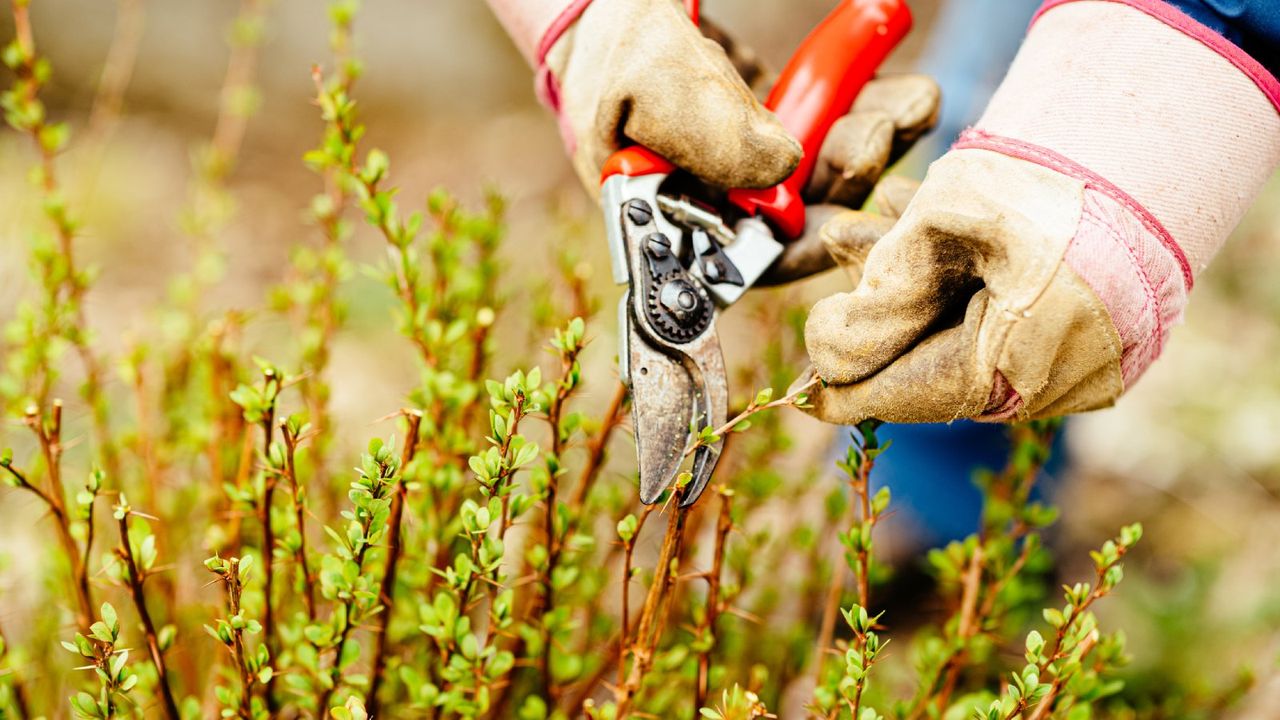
{"x": 982, "y": 140}
{"x": 1134, "y": 276}
{"x": 567, "y": 17}
{"x": 528, "y": 22}
{"x": 1187, "y": 25}
{"x": 547, "y": 88}
{"x": 546, "y": 84}
{"x": 1120, "y": 251}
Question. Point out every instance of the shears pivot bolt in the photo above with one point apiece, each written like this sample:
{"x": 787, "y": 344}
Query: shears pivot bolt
{"x": 638, "y": 212}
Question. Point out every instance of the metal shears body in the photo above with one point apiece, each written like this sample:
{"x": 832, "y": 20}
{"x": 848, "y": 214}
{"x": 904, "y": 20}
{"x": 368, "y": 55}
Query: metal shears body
{"x": 683, "y": 260}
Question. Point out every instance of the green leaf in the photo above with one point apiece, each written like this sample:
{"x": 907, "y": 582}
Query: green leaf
{"x": 100, "y": 631}
{"x": 109, "y": 617}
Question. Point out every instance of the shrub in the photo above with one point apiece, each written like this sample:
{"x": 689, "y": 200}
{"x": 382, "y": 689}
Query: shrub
{"x": 476, "y": 562}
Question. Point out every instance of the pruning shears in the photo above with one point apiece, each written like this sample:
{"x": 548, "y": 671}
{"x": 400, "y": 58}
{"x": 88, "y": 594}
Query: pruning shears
{"x": 684, "y": 259}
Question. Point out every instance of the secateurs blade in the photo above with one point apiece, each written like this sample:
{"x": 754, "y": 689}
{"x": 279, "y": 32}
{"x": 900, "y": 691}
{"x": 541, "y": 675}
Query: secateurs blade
{"x": 683, "y": 259}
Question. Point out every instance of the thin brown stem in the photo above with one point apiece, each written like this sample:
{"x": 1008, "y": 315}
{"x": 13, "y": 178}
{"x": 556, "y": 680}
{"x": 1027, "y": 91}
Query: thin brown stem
{"x": 135, "y": 576}
{"x": 968, "y": 625}
{"x": 358, "y": 556}
{"x": 1045, "y": 708}
{"x": 830, "y": 609}
{"x": 229, "y": 129}
{"x": 657, "y": 605}
{"x": 1056, "y": 652}
{"x": 790, "y": 399}
{"x": 48, "y": 433}
{"x": 299, "y": 517}
{"x": 241, "y": 658}
{"x": 268, "y": 552}
{"x": 413, "y": 419}
{"x": 982, "y": 582}
{"x": 117, "y": 70}
{"x": 628, "y": 557}
{"x": 596, "y": 450}
{"x": 724, "y": 524}
{"x": 69, "y": 289}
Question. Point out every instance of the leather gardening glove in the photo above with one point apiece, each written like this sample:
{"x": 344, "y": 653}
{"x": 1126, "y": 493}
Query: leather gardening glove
{"x": 621, "y": 71}
{"x": 1044, "y": 259}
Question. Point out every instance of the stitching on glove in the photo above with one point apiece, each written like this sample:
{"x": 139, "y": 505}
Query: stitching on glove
{"x": 1180, "y": 21}
{"x": 1148, "y": 288}
{"x": 974, "y": 138}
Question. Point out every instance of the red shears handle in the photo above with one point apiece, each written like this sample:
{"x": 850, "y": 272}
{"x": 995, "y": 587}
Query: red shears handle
{"x": 816, "y": 88}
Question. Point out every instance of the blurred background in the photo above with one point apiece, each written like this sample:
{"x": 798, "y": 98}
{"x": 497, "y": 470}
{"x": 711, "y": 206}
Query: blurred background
{"x": 1193, "y": 451}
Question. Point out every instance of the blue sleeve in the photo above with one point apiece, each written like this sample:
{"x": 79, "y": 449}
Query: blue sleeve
{"x": 1252, "y": 25}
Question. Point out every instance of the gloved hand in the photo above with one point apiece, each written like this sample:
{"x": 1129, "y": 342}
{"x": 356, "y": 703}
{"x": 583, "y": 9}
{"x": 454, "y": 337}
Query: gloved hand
{"x": 639, "y": 70}
{"x": 1043, "y": 261}
{"x": 623, "y": 71}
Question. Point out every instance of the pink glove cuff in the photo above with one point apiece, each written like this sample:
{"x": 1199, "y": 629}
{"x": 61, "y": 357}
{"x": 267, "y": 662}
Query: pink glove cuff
{"x": 535, "y": 26}
{"x": 547, "y": 86}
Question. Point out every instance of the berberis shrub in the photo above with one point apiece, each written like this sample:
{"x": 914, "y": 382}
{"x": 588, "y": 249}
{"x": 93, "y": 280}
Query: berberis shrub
{"x": 210, "y": 548}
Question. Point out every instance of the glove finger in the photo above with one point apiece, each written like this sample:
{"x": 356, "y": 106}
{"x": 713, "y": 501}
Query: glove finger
{"x": 854, "y": 154}
{"x": 849, "y": 237}
{"x": 938, "y": 380}
{"x": 892, "y": 195}
{"x": 890, "y": 114}
{"x": 806, "y": 255}
{"x": 911, "y": 101}
{"x": 835, "y": 235}
{"x": 689, "y": 105}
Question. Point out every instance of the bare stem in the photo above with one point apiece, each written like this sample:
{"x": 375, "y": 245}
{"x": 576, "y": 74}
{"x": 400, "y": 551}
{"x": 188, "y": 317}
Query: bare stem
{"x": 596, "y": 450}
{"x": 118, "y": 69}
{"x": 65, "y": 293}
{"x": 724, "y": 524}
{"x": 394, "y": 544}
{"x": 135, "y": 577}
{"x": 627, "y": 559}
{"x": 300, "y": 517}
{"x": 48, "y": 433}
{"x": 268, "y": 550}
{"x": 794, "y": 397}
{"x": 657, "y": 605}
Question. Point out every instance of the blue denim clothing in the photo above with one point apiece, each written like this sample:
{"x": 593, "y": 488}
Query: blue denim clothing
{"x": 930, "y": 471}
{"x": 1252, "y": 25}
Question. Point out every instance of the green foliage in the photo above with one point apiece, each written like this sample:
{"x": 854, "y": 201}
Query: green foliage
{"x": 97, "y": 651}
{"x": 484, "y": 555}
